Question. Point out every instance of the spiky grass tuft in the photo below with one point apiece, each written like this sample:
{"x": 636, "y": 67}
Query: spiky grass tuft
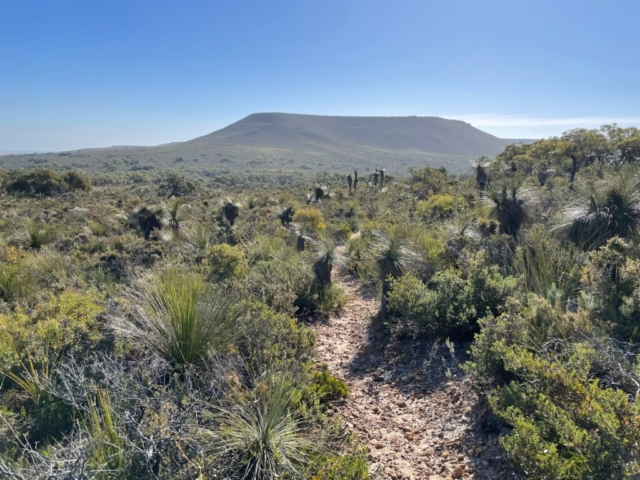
{"x": 180, "y": 318}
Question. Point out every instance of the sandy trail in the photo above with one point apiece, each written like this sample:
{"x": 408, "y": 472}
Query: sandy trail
{"x": 410, "y": 403}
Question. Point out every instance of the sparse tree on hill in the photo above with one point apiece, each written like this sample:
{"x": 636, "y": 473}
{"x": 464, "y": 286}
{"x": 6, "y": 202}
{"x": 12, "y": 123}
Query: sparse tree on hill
{"x": 177, "y": 185}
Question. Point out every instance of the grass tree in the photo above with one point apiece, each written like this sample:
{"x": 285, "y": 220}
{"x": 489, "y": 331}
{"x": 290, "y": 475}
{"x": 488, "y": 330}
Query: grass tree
{"x": 302, "y": 233}
{"x": 286, "y": 215}
{"x": 394, "y": 259}
{"x": 482, "y": 177}
{"x": 231, "y": 211}
{"x": 179, "y": 317}
{"x": 326, "y": 257}
{"x": 611, "y": 209}
{"x": 146, "y": 220}
{"x": 507, "y": 206}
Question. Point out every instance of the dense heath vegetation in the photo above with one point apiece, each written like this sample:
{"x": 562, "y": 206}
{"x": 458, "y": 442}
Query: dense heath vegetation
{"x": 153, "y": 324}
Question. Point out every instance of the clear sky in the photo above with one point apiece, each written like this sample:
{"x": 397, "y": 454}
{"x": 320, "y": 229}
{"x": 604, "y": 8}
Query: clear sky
{"x": 129, "y": 72}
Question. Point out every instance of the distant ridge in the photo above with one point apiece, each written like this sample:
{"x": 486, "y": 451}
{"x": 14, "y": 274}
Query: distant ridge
{"x": 286, "y": 141}
{"x": 432, "y": 135}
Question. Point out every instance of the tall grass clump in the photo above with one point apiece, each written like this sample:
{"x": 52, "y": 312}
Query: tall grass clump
{"x": 261, "y": 439}
{"x": 180, "y": 317}
{"x": 108, "y": 447}
{"x": 546, "y": 268}
{"x": 40, "y": 235}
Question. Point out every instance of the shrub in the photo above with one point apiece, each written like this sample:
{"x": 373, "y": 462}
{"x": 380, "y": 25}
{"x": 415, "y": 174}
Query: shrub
{"x": 98, "y": 229}
{"x": 311, "y": 218}
{"x": 16, "y": 282}
{"x": 531, "y": 322}
{"x": 609, "y": 282}
{"x": 44, "y": 181}
{"x": 77, "y": 180}
{"x": 328, "y": 387}
{"x": 286, "y": 282}
{"x": 272, "y": 341}
{"x": 440, "y": 206}
{"x": 224, "y": 261}
{"x": 452, "y": 308}
{"x": 176, "y": 185}
{"x": 565, "y": 426}
{"x": 59, "y": 324}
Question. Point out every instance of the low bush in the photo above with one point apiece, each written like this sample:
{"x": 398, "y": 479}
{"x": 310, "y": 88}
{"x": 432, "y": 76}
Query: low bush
{"x": 46, "y": 182}
{"x": 454, "y": 303}
{"x": 328, "y": 387}
{"x": 223, "y": 262}
{"x": 564, "y": 425}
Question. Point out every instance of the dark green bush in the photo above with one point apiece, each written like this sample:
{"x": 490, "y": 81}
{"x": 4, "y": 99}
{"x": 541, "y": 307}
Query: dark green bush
{"x": 564, "y": 425}
{"x": 327, "y": 386}
{"x": 46, "y": 182}
{"x": 457, "y": 299}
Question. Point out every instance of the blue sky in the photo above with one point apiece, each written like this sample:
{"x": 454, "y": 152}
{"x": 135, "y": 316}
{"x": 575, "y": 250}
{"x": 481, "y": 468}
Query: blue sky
{"x": 82, "y": 73}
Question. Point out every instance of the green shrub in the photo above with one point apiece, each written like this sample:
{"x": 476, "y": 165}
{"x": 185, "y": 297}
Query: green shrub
{"x": 286, "y": 282}
{"x": 353, "y": 466}
{"x": 440, "y": 206}
{"x": 224, "y": 261}
{"x": 76, "y": 180}
{"x": 565, "y": 426}
{"x": 59, "y": 324}
{"x": 272, "y": 340}
{"x": 43, "y": 181}
{"x": 328, "y": 387}
{"x": 530, "y": 322}
{"x": 16, "y": 282}
{"x": 452, "y": 308}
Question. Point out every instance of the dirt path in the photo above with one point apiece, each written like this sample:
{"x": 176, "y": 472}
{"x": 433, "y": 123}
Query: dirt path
{"x": 409, "y": 403}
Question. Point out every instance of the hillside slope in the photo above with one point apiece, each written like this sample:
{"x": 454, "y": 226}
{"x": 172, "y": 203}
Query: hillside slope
{"x": 281, "y": 141}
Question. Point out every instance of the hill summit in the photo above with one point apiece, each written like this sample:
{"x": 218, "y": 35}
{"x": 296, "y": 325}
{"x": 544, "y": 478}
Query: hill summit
{"x": 311, "y": 142}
